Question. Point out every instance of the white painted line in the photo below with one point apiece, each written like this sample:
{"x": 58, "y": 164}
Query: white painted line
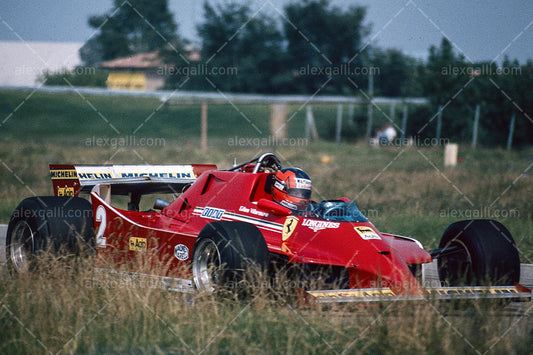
{"x": 3, "y": 232}
{"x": 526, "y": 275}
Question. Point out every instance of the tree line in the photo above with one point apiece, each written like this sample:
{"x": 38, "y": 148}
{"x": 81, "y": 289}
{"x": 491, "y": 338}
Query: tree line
{"x": 312, "y": 47}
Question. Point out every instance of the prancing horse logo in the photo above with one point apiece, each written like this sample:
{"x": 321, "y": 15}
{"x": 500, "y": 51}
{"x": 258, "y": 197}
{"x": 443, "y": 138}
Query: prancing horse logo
{"x": 288, "y": 227}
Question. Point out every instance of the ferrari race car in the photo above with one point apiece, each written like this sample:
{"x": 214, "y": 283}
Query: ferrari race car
{"x": 223, "y": 223}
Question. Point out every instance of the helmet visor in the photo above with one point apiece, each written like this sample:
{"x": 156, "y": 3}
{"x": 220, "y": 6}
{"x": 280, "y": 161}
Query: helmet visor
{"x": 299, "y": 193}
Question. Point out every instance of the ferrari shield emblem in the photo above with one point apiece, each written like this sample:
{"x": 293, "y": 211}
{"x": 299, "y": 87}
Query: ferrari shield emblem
{"x": 288, "y": 227}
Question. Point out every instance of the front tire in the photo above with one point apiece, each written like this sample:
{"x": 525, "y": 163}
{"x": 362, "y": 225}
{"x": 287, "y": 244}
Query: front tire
{"x": 224, "y": 254}
{"x": 481, "y": 252}
{"x": 51, "y": 222}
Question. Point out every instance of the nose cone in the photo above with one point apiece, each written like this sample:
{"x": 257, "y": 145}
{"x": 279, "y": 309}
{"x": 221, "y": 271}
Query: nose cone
{"x": 385, "y": 269}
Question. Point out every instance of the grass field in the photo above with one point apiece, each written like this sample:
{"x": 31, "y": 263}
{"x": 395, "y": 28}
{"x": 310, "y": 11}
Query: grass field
{"x": 72, "y": 117}
{"x": 405, "y": 190}
{"x": 68, "y": 311}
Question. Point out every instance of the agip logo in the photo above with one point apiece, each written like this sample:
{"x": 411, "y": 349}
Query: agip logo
{"x": 366, "y": 233}
{"x": 137, "y": 244}
{"x": 65, "y": 191}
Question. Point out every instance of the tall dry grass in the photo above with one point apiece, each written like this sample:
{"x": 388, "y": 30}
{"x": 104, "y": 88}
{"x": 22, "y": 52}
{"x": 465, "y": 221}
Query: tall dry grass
{"x": 66, "y": 307}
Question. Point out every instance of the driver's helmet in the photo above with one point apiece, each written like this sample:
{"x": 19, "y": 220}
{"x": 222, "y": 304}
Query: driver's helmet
{"x": 291, "y": 187}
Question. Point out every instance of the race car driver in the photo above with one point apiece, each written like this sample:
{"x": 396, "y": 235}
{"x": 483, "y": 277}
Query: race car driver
{"x": 291, "y": 188}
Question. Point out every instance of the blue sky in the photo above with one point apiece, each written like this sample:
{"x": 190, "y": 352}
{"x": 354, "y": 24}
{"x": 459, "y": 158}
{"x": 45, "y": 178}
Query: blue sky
{"x": 481, "y": 30}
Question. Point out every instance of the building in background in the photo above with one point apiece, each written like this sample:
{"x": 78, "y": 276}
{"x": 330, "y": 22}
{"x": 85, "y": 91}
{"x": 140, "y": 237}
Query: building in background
{"x": 24, "y": 63}
{"x": 143, "y": 71}
{"x": 140, "y": 71}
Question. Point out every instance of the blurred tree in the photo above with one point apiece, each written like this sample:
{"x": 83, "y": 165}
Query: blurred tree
{"x": 457, "y": 86}
{"x": 233, "y": 37}
{"x": 504, "y": 91}
{"x": 445, "y": 80}
{"x": 397, "y": 74}
{"x": 320, "y": 35}
{"x": 80, "y": 76}
{"x": 133, "y": 26}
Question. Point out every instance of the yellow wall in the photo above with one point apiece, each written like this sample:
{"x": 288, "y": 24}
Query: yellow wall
{"x": 126, "y": 80}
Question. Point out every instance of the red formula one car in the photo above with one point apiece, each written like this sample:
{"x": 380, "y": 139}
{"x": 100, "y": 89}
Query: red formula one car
{"x": 254, "y": 215}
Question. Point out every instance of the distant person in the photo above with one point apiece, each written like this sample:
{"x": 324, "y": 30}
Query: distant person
{"x": 386, "y": 135}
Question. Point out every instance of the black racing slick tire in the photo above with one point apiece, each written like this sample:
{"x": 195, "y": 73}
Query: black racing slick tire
{"x": 477, "y": 253}
{"x": 225, "y": 253}
{"x": 48, "y": 223}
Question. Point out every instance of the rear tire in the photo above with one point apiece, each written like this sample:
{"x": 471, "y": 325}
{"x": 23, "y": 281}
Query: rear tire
{"x": 48, "y": 223}
{"x": 224, "y": 253}
{"x": 485, "y": 254}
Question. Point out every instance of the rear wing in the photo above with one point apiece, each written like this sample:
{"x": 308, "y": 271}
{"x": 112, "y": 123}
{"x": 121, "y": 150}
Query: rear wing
{"x": 70, "y": 180}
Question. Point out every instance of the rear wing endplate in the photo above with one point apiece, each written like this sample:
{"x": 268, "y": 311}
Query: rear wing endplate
{"x": 70, "y": 180}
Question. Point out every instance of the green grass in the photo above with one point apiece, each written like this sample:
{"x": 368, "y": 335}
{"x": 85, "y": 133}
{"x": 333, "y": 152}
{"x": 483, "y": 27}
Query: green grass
{"x": 403, "y": 190}
{"x": 72, "y": 117}
{"x": 76, "y": 118}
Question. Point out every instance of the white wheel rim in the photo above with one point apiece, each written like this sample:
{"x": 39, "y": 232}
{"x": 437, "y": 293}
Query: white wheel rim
{"x": 21, "y": 246}
{"x": 206, "y": 264}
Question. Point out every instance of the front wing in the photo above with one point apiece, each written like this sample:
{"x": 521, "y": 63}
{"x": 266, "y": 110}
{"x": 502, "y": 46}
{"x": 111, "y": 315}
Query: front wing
{"x": 516, "y": 292}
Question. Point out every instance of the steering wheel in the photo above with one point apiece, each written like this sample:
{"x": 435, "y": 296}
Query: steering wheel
{"x": 334, "y": 211}
{"x": 267, "y": 163}
{"x": 332, "y": 208}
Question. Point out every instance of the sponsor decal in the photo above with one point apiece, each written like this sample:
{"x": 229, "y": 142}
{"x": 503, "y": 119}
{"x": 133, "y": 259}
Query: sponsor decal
{"x": 128, "y": 171}
{"x": 288, "y": 227}
{"x": 95, "y": 176}
{"x": 181, "y": 252}
{"x": 354, "y": 293}
{"x": 259, "y": 221}
{"x": 303, "y": 183}
{"x": 137, "y": 244}
{"x": 65, "y": 191}
{"x": 155, "y": 171}
{"x": 366, "y": 233}
{"x": 212, "y": 213}
{"x": 472, "y": 291}
{"x": 316, "y": 225}
{"x": 280, "y": 186}
{"x": 63, "y": 174}
{"x": 95, "y": 172}
{"x": 253, "y": 211}
{"x": 159, "y": 175}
